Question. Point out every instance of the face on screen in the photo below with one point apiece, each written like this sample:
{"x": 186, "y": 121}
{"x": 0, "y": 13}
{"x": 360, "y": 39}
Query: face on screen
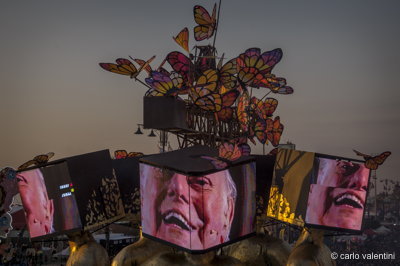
{"x": 39, "y": 209}
{"x": 193, "y": 212}
{"x": 338, "y": 198}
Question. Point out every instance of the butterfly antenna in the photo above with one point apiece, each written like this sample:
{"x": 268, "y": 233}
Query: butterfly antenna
{"x": 265, "y": 95}
{"x": 216, "y": 26}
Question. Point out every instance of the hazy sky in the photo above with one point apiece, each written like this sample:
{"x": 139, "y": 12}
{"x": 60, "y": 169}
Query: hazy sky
{"x": 341, "y": 57}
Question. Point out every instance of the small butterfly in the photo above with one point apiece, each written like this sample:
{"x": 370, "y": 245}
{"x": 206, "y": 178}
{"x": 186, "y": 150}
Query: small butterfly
{"x": 122, "y": 154}
{"x": 228, "y": 152}
{"x": 37, "y": 160}
{"x": 274, "y": 133}
{"x": 183, "y": 39}
{"x": 254, "y": 66}
{"x": 206, "y": 23}
{"x": 372, "y": 162}
{"x": 264, "y": 109}
{"x": 242, "y": 144}
{"x": 125, "y": 67}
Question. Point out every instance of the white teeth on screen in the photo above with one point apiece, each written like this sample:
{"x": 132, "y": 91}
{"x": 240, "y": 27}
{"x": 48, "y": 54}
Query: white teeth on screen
{"x": 179, "y": 217}
{"x": 350, "y": 197}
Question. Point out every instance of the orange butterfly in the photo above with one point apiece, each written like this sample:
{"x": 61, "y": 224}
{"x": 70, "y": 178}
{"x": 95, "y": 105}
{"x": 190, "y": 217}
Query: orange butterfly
{"x": 264, "y": 109}
{"x": 372, "y": 162}
{"x": 183, "y": 39}
{"x": 125, "y": 67}
{"x": 122, "y": 154}
{"x": 206, "y": 23}
{"x": 228, "y": 152}
{"x": 275, "y": 133}
{"x": 37, "y": 160}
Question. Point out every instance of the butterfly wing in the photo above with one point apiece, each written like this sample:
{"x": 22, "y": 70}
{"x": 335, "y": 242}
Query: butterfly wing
{"x": 226, "y": 114}
{"x": 242, "y": 114}
{"x": 227, "y": 74}
{"x": 260, "y": 131}
{"x": 206, "y": 23}
{"x": 269, "y": 106}
{"x": 366, "y": 156}
{"x": 182, "y": 39}
{"x": 229, "y": 151}
{"x": 204, "y": 93}
{"x": 382, "y": 157}
{"x": 374, "y": 162}
{"x": 274, "y": 135}
{"x": 123, "y": 67}
{"x": 182, "y": 65}
{"x": 26, "y": 164}
{"x": 229, "y": 98}
{"x": 162, "y": 83}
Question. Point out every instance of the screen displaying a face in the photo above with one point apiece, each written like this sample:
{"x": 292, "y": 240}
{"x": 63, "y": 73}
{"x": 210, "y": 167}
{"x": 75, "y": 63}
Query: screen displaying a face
{"x": 198, "y": 212}
{"x": 337, "y": 197}
{"x": 48, "y": 199}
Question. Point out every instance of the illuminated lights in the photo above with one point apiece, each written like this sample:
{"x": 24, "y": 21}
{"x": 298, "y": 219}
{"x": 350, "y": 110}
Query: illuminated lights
{"x": 66, "y": 194}
{"x": 64, "y": 186}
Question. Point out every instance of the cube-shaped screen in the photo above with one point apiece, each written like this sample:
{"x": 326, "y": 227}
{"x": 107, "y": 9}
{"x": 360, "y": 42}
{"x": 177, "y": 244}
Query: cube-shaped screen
{"x": 318, "y": 190}
{"x": 200, "y": 210}
{"x": 49, "y": 200}
{"x": 338, "y": 194}
{"x": 70, "y": 194}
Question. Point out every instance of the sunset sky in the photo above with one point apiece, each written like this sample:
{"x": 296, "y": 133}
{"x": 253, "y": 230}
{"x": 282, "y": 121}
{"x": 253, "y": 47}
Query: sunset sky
{"x": 341, "y": 57}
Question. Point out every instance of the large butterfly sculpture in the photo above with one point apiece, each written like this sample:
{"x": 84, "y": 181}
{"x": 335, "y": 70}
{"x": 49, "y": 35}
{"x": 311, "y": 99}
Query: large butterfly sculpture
{"x": 164, "y": 84}
{"x": 228, "y": 153}
{"x": 254, "y": 67}
{"x": 182, "y": 39}
{"x": 125, "y": 67}
{"x": 206, "y": 23}
{"x": 122, "y": 154}
{"x": 37, "y": 160}
{"x": 372, "y": 162}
